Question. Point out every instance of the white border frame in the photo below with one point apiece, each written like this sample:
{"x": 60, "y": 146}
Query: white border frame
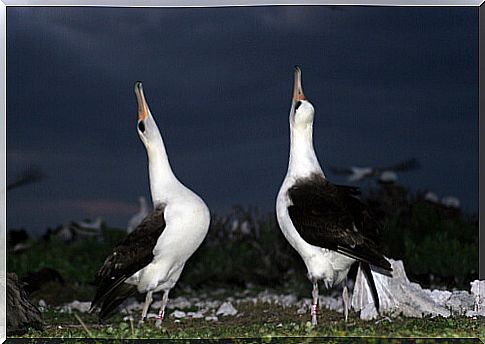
{"x": 139, "y": 3}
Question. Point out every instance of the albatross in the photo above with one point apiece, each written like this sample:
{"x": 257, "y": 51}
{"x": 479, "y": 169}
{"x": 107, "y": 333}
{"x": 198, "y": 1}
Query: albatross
{"x": 327, "y": 224}
{"x": 151, "y": 258}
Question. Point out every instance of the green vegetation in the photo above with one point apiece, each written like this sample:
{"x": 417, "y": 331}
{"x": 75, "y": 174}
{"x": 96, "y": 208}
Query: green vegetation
{"x": 245, "y": 249}
{"x": 277, "y": 322}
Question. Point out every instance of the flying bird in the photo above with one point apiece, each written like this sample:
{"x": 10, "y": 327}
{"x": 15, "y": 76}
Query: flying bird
{"x": 329, "y": 226}
{"x": 152, "y": 257}
{"x": 386, "y": 174}
{"x": 31, "y": 174}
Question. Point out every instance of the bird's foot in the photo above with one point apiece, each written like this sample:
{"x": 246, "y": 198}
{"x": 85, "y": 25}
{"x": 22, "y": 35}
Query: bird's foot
{"x": 158, "y": 322}
{"x": 140, "y": 323}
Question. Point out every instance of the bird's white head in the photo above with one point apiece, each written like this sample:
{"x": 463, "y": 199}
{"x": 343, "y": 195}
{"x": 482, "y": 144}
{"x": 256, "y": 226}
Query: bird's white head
{"x": 147, "y": 128}
{"x": 302, "y": 111}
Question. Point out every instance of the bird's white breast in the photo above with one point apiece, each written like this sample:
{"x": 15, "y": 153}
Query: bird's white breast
{"x": 187, "y": 221}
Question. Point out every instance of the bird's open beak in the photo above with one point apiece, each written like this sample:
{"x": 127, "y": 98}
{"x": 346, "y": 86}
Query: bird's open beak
{"x": 142, "y": 103}
{"x": 297, "y": 88}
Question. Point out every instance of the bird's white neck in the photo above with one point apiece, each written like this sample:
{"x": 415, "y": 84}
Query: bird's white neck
{"x": 303, "y": 160}
{"x": 163, "y": 182}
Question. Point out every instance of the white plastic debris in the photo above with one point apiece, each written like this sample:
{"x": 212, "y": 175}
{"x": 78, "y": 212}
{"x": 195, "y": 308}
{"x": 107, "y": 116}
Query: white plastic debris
{"x": 226, "y": 309}
{"x": 397, "y": 295}
{"x": 178, "y": 314}
{"x": 478, "y": 290}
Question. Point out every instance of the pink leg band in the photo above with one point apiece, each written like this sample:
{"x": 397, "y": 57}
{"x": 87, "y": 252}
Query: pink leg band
{"x": 314, "y": 309}
{"x": 161, "y": 314}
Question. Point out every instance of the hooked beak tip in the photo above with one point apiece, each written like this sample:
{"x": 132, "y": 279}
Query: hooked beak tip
{"x": 142, "y": 103}
{"x": 297, "y": 87}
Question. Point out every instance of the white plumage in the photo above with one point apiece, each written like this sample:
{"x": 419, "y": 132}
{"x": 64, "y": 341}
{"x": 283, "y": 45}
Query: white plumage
{"x": 178, "y": 234}
{"x": 323, "y": 222}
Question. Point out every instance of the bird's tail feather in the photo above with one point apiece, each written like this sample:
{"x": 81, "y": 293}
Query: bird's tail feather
{"x": 368, "y": 274}
{"x": 115, "y": 298}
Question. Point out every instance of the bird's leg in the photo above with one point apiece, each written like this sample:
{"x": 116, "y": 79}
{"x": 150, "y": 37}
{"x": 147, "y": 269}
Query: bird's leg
{"x": 345, "y": 297}
{"x": 148, "y": 300}
{"x": 314, "y": 309}
{"x": 161, "y": 314}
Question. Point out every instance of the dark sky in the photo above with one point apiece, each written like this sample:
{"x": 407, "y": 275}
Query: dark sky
{"x": 388, "y": 83}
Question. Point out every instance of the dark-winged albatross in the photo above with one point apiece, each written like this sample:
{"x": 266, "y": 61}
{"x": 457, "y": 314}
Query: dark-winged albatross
{"x": 152, "y": 257}
{"x": 385, "y": 173}
{"x": 326, "y": 223}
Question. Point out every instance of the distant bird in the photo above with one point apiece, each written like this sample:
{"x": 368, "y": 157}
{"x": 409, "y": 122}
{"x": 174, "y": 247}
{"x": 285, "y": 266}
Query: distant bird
{"x": 451, "y": 202}
{"x": 327, "y": 224}
{"x": 385, "y": 174}
{"x": 431, "y": 197}
{"x": 31, "y": 174}
{"x": 388, "y": 177}
{"x": 152, "y": 257}
{"x": 138, "y": 217}
{"x": 85, "y": 229}
{"x": 94, "y": 226}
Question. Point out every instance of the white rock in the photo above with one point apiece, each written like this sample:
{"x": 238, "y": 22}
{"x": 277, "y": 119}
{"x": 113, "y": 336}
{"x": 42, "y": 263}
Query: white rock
{"x": 226, "y": 309}
{"x": 179, "y": 303}
{"x": 289, "y": 300}
{"x": 178, "y": 314}
{"x": 156, "y": 305}
{"x": 195, "y": 315}
{"x": 76, "y": 305}
{"x": 211, "y": 318}
{"x": 152, "y": 315}
{"x": 42, "y": 303}
{"x": 128, "y": 318}
{"x": 131, "y": 307}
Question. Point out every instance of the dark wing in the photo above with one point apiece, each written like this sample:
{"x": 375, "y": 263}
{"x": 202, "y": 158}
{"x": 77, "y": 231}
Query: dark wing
{"x": 333, "y": 217}
{"x": 130, "y": 256}
{"x": 406, "y": 165}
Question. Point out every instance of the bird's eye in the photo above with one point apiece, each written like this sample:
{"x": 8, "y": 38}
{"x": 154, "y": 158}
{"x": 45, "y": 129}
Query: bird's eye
{"x": 141, "y": 127}
{"x": 297, "y": 105}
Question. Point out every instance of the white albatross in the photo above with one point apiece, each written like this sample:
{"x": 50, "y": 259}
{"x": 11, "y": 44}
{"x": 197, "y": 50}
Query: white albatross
{"x": 136, "y": 219}
{"x": 326, "y": 223}
{"x": 152, "y": 257}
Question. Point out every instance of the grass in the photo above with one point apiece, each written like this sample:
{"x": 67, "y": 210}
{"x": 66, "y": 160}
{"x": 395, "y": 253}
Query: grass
{"x": 262, "y": 320}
